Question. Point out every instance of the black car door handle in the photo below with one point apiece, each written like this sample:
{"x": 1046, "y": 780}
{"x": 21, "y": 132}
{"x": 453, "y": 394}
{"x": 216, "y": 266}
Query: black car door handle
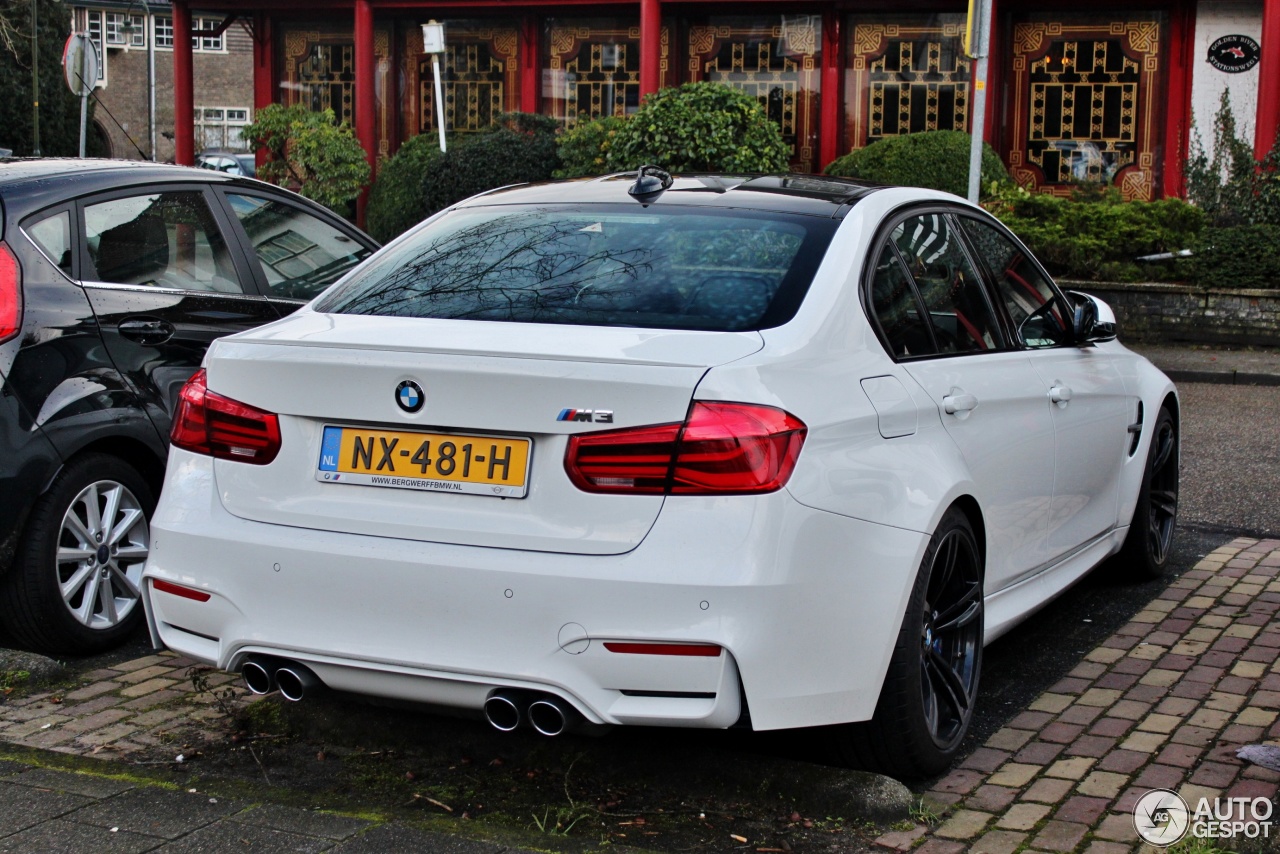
{"x": 146, "y": 330}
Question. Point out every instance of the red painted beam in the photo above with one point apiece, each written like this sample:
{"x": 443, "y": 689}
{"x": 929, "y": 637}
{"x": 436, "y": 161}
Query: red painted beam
{"x": 650, "y": 47}
{"x": 365, "y": 106}
{"x": 263, "y": 69}
{"x": 831, "y": 125}
{"x": 1177, "y": 123}
{"x": 184, "y": 120}
{"x": 1268, "y": 80}
{"x": 530, "y": 64}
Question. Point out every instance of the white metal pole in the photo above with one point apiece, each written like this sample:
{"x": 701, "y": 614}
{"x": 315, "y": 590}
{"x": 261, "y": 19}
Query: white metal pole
{"x": 435, "y": 68}
{"x": 151, "y": 78}
{"x": 979, "y": 50}
{"x": 84, "y": 90}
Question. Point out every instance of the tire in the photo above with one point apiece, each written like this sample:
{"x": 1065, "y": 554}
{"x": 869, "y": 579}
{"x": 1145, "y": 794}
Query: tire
{"x": 74, "y": 585}
{"x": 927, "y": 700}
{"x": 1146, "y": 549}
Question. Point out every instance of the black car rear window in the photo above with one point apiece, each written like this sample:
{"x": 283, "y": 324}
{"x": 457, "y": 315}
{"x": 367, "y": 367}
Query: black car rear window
{"x": 608, "y": 265}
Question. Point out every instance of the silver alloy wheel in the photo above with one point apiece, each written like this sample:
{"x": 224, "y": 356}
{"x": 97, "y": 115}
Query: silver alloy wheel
{"x": 102, "y": 545}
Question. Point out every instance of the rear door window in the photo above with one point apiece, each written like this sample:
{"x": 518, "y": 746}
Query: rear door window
{"x": 53, "y": 235}
{"x": 167, "y": 239}
{"x": 600, "y": 265}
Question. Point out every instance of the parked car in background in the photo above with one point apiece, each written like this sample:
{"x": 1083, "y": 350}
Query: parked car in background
{"x": 781, "y": 451}
{"x": 231, "y": 162}
{"x": 115, "y": 276}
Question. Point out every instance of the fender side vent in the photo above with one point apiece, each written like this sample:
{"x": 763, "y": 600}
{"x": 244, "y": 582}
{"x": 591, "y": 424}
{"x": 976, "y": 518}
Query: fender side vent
{"x": 1135, "y": 431}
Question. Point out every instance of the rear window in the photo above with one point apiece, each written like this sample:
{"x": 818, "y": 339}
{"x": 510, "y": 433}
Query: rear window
{"x": 683, "y": 268}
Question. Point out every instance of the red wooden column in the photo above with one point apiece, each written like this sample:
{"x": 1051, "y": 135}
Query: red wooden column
{"x": 365, "y": 106}
{"x": 650, "y": 46}
{"x": 830, "y": 124}
{"x": 184, "y": 113}
{"x": 530, "y": 64}
{"x": 1177, "y": 122}
{"x": 263, "y": 68}
{"x": 1268, "y": 80}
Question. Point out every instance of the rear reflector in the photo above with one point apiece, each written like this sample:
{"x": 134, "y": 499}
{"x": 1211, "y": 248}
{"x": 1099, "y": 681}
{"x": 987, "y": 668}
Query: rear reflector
{"x": 10, "y": 294}
{"x": 178, "y": 590}
{"x": 208, "y": 423}
{"x": 720, "y": 449}
{"x": 699, "y": 650}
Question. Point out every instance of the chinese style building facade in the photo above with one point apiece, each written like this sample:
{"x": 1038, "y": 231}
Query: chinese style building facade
{"x": 1076, "y": 91}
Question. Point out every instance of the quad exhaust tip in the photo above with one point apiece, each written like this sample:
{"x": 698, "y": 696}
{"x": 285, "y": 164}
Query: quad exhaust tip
{"x": 292, "y": 680}
{"x": 504, "y": 712}
{"x": 547, "y": 716}
{"x": 258, "y": 677}
{"x": 295, "y": 682}
{"x": 507, "y": 711}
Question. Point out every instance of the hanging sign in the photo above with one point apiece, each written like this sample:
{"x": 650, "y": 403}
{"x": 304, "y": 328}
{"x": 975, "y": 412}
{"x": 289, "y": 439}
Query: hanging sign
{"x": 1234, "y": 54}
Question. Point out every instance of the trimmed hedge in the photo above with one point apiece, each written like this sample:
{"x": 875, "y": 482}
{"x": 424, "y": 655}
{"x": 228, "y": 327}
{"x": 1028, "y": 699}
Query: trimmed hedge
{"x": 1097, "y": 237}
{"x": 937, "y": 160}
{"x": 584, "y": 148}
{"x": 1241, "y": 256}
{"x": 396, "y": 203}
{"x": 699, "y": 127}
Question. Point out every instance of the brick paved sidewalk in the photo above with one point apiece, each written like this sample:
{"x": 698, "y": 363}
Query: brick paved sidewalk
{"x": 1163, "y": 703}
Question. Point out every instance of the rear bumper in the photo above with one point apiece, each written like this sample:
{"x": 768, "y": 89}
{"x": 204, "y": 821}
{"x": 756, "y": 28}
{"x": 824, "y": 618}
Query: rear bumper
{"x": 805, "y": 604}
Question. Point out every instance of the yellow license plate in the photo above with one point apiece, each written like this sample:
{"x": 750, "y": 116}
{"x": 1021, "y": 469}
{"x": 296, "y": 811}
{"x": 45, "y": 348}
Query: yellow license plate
{"x": 436, "y": 462}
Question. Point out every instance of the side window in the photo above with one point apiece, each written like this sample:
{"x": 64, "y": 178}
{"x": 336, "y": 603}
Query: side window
{"x": 168, "y": 240}
{"x": 301, "y": 254}
{"x": 53, "y": 235}
{"x": 1027, "y": 295}
{"x": 952, "y": 290}
{"x": 897, "y": 310}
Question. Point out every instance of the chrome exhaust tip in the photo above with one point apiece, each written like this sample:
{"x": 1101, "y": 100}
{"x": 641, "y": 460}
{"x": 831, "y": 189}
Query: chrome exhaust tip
{"x": 503, "y": 712}
{"x": 296, "y": 681}
{"x": 548, "y": 716}
{"x": 257, "y": 678}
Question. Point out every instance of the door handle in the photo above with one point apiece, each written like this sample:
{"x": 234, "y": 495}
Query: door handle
{"x": 1060, "y": 394}
{"x": 146, "y": 330}
{"x": 958, "y": 402}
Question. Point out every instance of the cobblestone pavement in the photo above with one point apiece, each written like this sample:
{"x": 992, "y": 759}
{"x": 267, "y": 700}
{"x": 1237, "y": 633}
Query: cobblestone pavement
{"x": 1165, "y": 702}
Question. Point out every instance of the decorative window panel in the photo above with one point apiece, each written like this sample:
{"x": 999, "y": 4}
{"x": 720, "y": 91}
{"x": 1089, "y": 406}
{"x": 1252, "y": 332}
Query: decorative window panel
{"x": 1086, "y": 98}
{"x": 479, "y": 73}
{"x": 777, "y": 60}
{"x": 319, "y": 70}
{"x": 906, "y": 75}
{"x": 592, "y": 68}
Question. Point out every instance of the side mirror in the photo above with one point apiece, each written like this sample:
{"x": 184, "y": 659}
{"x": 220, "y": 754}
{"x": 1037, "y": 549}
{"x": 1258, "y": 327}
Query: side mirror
{"x": 1093, "y": 320}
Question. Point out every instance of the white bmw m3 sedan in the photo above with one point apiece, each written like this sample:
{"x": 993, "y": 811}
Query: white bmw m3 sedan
{"x": 708, "y": 451}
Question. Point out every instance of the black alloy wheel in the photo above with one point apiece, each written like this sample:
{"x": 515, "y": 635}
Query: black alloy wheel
{"x": 930, "y": 690}
{"x": 1147, "y": 547}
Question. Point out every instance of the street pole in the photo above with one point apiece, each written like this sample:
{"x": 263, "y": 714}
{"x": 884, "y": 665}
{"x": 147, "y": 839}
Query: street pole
{"x": 435, "y": 68}
{"x": 979, "y": 38}
{"x": 35, "y": 83}
{"x": 151, "y": 77}
{"x": 84, "y": 92}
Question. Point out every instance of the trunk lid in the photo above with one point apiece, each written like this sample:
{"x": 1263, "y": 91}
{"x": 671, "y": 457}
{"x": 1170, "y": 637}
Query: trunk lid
{"x": 484, "y": 384}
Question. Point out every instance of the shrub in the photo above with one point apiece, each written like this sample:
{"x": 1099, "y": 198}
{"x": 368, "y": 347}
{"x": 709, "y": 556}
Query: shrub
{"x": 936, "y": 159}
{"x": 1098, "y": 236}
{"x": 518, "y": 148}
{"x": 311, "y": 152}
{"x": 584, "y": 148}
{"x": 699, "y": 127}
{"x": 1239, "y": 256}
{"x": 396, "y": 203}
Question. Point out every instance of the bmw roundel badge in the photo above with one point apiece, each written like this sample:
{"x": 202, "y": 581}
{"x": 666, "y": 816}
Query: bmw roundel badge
{"x": 409, "y": 396}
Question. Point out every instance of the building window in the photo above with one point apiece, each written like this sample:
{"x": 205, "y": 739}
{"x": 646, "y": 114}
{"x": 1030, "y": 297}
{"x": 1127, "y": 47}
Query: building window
{"x": 200, "y": 44}
{"x": 222, "y": 127}
{"x": 164, "y": 31}
{"x": 95, "y": 23}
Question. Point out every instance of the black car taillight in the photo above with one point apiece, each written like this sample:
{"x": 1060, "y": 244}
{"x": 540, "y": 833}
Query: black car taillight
{"x": 719, "y": 449}
{"x": 208, "y": 423}
{"x": 10, "y": 294}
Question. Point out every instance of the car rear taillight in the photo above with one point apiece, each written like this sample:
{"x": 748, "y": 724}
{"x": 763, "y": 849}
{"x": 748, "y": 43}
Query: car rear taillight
{"x": 10, "y": 294}
{"x": 721, "y": 448}
{"x": 208, "y": 423}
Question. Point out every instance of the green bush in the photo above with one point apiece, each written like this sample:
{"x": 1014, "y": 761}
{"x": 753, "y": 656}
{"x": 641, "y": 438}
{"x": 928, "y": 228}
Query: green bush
{"x": 396, "y": 203}
{"x": 699, "y": 127}
{"x": 1239, "y": 256}
{"x": 310, "y": 152}
{"x": 1098, "y": 236}
{"x": 584, "y": 148}
{"x": 936, "y": 159}
{"x": 518, "y": 148}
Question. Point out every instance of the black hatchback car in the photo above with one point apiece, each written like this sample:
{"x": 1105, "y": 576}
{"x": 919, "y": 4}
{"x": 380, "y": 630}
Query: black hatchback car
{"x": 115, "y": 276}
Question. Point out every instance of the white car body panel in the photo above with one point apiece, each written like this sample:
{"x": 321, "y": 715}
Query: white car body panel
{"x": 426, "y": 597}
